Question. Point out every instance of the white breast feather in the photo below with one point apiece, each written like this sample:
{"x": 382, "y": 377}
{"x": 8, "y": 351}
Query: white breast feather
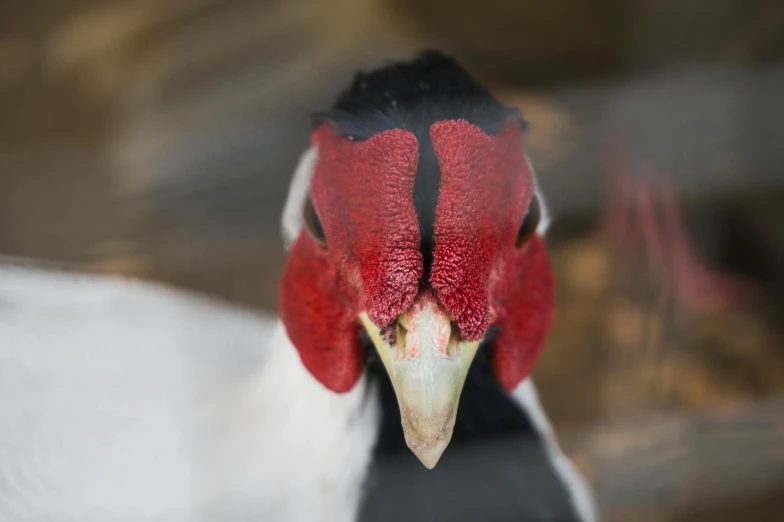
{"x": 122, "y": 400}
{"x": 128, "y": 401}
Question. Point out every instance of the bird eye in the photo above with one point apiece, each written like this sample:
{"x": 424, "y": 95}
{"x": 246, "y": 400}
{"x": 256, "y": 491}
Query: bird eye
{"x": 313, "y": 224}
{"x": 530, "y": 223}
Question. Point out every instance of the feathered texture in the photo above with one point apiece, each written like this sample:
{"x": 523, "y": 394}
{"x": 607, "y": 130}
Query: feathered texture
{"x": 293, "y": 218}
{"x": 413, "y": 95}
{"x": 502, "y": 437}
{"x": 420, "y": 181}
{"x": 124, "y": 400}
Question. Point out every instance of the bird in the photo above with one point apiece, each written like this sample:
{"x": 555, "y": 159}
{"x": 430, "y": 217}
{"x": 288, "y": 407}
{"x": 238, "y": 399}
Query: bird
{"x": 394, "y": 384}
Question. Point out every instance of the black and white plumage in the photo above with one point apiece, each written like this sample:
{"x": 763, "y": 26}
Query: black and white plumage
{"x": 123, "y": 400}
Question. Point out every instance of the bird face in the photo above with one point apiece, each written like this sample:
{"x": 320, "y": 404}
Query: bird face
{"x": 424, "y": 238}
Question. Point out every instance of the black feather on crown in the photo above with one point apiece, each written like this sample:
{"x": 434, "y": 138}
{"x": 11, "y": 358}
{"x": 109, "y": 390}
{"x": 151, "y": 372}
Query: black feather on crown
{"x": 413, "y": 95}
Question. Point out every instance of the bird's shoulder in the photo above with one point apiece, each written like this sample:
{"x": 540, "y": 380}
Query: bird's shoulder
{"x": 112, "y": 391}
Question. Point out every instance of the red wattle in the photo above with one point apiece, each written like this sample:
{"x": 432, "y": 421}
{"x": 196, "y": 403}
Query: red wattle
{"x": 524, "y": 309}
{"x": 363, "y": 195}
{"x": 319, "y": 310}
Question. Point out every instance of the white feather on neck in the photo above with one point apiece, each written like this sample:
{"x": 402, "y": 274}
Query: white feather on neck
{"x": 525, "y": 394}
{"x": 298, "y": 193}
{"x": 121, "y": 398}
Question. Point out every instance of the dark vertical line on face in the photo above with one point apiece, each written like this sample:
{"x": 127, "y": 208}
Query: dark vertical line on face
{"x": 426, "y": 187}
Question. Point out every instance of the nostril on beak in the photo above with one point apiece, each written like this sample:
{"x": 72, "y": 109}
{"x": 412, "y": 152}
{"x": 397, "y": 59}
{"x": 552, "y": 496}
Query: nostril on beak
{"x": 402, "y": 328}
{"x": 453, "y": 346}
{"x": 404, "y": 321}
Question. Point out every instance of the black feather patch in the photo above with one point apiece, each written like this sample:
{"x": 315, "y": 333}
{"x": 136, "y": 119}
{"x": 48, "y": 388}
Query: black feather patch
{"x": 426, "y": 189}
{"x": 413, "y": 95}
{"x": 495, "y": 469}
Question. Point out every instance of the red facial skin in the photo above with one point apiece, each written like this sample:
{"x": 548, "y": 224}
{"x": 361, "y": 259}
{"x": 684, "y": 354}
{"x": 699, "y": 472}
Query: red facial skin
{"x": 523, "y": 306}
{"x": 363, "y": 194}
{"x": 478, "y": 273}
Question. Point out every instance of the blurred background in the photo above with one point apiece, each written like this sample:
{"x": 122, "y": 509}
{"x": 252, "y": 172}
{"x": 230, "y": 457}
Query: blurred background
{"x": 155, "y": 139}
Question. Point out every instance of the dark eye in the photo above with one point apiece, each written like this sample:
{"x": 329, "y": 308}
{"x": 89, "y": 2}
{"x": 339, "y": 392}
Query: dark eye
{"x": 313, "y": 224}
{"x": 530, "y": 223}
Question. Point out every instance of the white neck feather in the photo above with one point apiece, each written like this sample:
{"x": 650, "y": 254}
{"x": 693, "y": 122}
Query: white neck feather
{"x": 298, "y": 193}
{"x": 113, "y": 391}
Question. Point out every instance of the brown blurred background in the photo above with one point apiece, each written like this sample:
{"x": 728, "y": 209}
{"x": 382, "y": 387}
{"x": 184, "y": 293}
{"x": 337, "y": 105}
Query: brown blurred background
{"x": 155, "y": 139}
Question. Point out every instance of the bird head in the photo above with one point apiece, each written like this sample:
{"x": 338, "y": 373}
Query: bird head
{"x": 413, "y": 219}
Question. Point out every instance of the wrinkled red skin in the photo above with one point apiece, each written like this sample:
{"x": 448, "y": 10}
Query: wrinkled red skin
{"x": 478, "y": 274}
{"x": 524, "y": 312}
{"x": 485, "y": 189}
{"x": 319, "y": 309}
{"x": 363, "y": 194}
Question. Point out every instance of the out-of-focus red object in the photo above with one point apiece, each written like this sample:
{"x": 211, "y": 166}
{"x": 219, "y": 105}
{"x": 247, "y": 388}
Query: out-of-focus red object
{"x": 644, "y": 218}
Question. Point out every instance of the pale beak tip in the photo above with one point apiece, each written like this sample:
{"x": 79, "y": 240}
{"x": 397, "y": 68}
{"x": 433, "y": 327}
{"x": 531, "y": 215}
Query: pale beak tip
{"x": 428, "y": 442}
{"x": 428, "y": 381}
{"x": 429, "y": 455}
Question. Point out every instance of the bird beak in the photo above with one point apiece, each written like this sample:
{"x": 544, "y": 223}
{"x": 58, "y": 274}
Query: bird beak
{"x": 427, "y": 362}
